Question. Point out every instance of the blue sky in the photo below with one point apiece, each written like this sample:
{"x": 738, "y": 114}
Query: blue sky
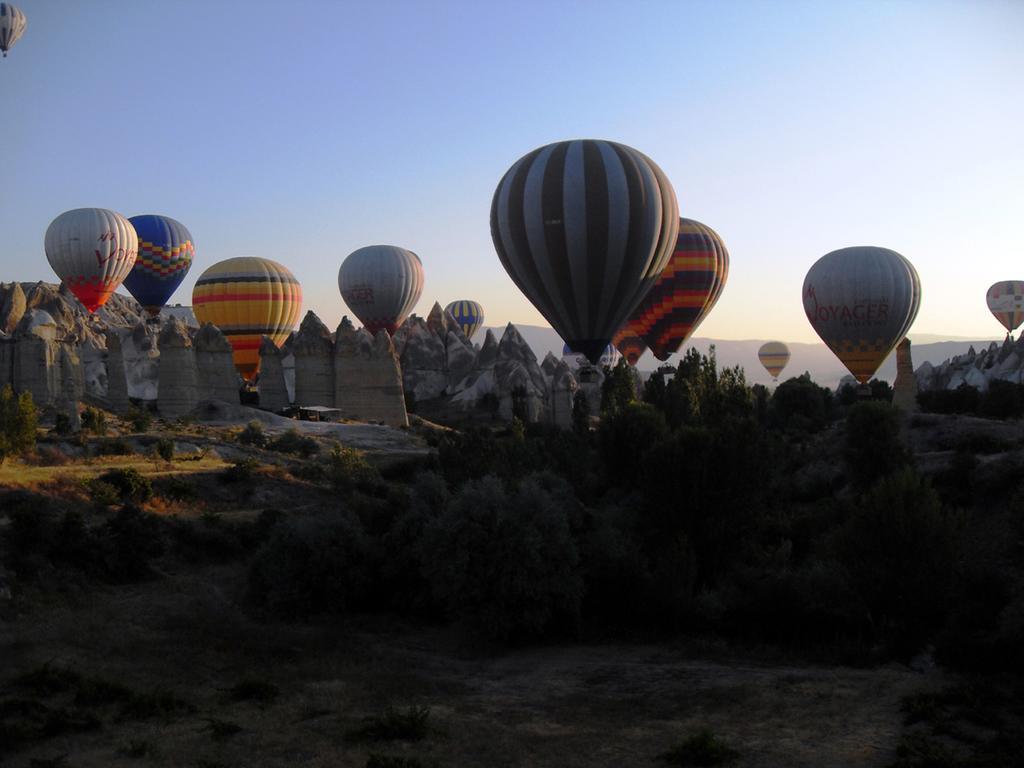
{"x": 301, "y": 131}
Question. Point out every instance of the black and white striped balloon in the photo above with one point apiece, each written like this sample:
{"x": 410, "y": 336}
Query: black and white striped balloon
{"x": 584, "y": 228}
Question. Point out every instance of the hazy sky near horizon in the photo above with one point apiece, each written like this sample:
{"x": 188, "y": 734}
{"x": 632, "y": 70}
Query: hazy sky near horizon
{"x": 301, "y": 131}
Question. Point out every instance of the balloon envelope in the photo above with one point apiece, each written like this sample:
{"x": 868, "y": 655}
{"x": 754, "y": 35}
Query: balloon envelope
{"x": 91, "y": 250}
{"x": 1006, "y": 301}
{"x": 629, "y": 344}
{"x": 12, "y": 26}
{"x": 165, "y": 255}
{"x": 381, "y": 284}
{"x": 584, "y": 228}
{"x": 862, "y": 301}
{"x": 248, "y": 298}
{"x": 774, "y": 355}
{"x": 686, "y": 291}
{"x": 468, "y": 314}
{"x": 609, "y": 358}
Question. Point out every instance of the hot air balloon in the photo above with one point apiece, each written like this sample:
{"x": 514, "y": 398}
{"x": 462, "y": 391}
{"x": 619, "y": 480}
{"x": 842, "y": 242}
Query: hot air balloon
{"x": 165, "y": 255}
{"x": 12, "y": 26}
{"x": 685, "y": 292}
{"x": 468, "y": 314}
{"x": 774, "y": 355}
{"x": 609, "y": 358}
{"x": 247, "y": 298}
{"x": 862, "y": 301}
{"x": 629, "y": 344}
{"x": 91, "y": 250}
{"x": 381, "y": 284}
{"x": 584, "y": 228}
{"x": 1006, "y": 301}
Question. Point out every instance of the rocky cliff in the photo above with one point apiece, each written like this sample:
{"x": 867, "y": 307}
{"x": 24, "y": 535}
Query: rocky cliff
{"x": 1003, "y": 362}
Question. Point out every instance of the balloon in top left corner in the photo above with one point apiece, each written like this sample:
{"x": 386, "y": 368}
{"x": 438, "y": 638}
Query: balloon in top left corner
{"x": 12, "y": 26}
{"x": 91, "y": 250}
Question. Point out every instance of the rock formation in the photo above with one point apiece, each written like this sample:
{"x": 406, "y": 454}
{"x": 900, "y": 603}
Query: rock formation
{"x": 177, "y": 392}
{"x": 1002, "y": 362}
{"x": 12, "y": 306}
{"x": 218, "y": 377}
{"x": 314, "y": 365}
{"x": 563, "y": 390}
{"x": 37, "y": 358}
{"x": 117, "y": 379}
{"x": 904, "y": 394}
{"x": 367, "y": 377}
{"x": 271, "y": 384}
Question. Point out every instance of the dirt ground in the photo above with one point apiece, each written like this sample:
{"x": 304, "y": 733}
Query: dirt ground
{"x": 564, "y": 705}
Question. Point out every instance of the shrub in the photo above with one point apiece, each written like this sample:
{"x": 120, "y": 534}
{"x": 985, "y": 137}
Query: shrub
{"x": 626, "y": 437}
{"x": 165, "y": 449}
{"x": 900, "y": 549}
{"x": 132, "y": 539}
{"x": 963, "y": 399}
{"x": 178, "y": 489}
{"x": 394, "y": 725}
{"x": 102, "y": 493}
{"x": 129, "y": 483}
{"x": 704, "y": 748}
{"x": 873, "y": 447}
{"x": 241, "y": 471}
{"x": 312, "y": 566}
{"x": 94, "y": 420}
{"x": 62, "y": 424}
{"x": 348, "y": 468}
{"x": 18, "y": 418}
{"x": 140, "y": 419}
{"x": 114, "y": 447}
{"x": 506, "y": 559}
{"x": 295, "y": 442}
{"x": 618, "y": 389}
{"x": 253, "y": 435}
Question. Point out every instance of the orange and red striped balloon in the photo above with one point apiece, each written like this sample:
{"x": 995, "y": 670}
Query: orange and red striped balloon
{"x": 685, "y": 292}
{"x": 248, "y": 298}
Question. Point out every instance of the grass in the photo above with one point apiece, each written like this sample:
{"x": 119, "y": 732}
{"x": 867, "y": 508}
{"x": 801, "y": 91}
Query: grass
{"x": 394, "y": 725}
{"x": 17, "y": 474}
{"x": 704, "y": 748}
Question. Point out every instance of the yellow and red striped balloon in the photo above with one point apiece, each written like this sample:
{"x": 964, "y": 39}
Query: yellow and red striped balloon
{"x": 248, "y": 298}
{"x": 685, "y": 292}
{"x": 774, "y": 356}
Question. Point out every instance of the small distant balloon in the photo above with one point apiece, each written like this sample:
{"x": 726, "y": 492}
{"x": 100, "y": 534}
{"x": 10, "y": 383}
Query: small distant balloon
{"x": 12, "y": 26}
{"x": 629, "y": 344}
{"x": 165, "y": 256}
{"x": 584, "y": 228}
{"x": 381, "y": 284}
{"x": 609, "y": 358}
{"x": 91, "y": 250}
{"x": 248, "y": 298}
{"x": 468, "y": 314}
{"x": 774, "y": 356}
{"x": 1005, "y": 300}
{"x": 862, "y": 301}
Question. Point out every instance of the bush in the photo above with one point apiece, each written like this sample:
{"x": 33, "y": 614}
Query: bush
{"x": 102, "y": 493}
{"x": 165, "y": 449}
{"x": 17, "y": 423}
{"x": 348, "y": 469}
{"x": 178, "y": 489}
{"x": 313, "y": 565}
{"x": 506, "y": 559}
{"x": 140, "y": 419}
{"x": 113, "y": 447}
{"x": 253, "y": 435}
{"x": 62, "y": 424}
{"x": 873, "y": 447}
{"x": 618, "y": 389}
{"x": 901, "y": 549}
{"x": 129, "y": 483}
{"x": 241, "y": 471}
{"x": 963, "y": 399}
{"x": 295, "y": 442}
{"x": 704, "y": 748}
{"x": 94, "y": 420}
{"x": 625, "y": 439}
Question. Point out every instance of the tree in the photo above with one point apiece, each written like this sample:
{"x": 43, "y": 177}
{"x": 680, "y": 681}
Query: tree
{"x": 873, "y": 447}
{"x": 618, "y": 389}
{"x": 17, "y": 423}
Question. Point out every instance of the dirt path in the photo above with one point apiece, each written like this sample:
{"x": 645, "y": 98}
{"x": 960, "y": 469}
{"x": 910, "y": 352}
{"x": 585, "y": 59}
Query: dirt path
{"x": 568, "y": 705}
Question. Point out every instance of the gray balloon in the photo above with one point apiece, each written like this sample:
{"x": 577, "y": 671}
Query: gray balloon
{"x": 862, "y": 301}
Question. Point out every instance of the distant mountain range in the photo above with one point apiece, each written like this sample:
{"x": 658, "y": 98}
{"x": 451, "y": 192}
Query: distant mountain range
{"x": 815, "y": 359}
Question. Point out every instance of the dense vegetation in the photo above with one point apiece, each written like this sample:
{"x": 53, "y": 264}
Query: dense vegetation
{"x": 793, "y": 520}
